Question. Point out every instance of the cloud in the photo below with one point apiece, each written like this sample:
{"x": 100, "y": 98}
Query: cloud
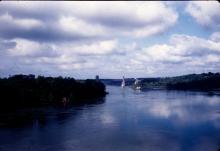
{"x": 64, "y": 37}
{"x": 5, "y": 45}
{"x": 181, "y": 47}
{"x": 215, "y": 37}
{"x": 206, "y": 13}
{"x": 26, "y": 48}
{"x": 34, "y": 57}
{"x": 62, "y": 21}
{"x": 184, "y": 53}
{"x": 31, "y": 49}
{"x": 138, "y": 19}
{"x": 37, "y": 30}
{"x": 105, "y": 38}
{"x": 103, "y": 47}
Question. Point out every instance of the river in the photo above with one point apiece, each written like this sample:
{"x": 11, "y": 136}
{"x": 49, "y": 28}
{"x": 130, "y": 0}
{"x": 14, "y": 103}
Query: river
{"x": 126, "y": 120}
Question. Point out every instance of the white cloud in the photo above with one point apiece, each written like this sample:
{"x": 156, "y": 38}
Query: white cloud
{"x": 136, "y": 19}
{"x": 63, "y": 60}
{"x": 195, "y": 46}
{"x": 72, "y": 25}
{"x": 215, "y": 37}
{"x": 28, "y": 48}
{"x": 206, "y": 13}
{"x": 95, "y": 48}
{"x": 82, "y": 65}
{"x": 139, "y": 19}
{"x": 22, "y": 23}
{"x": 59, "y": 58}
{"x": 184, "y": 53}
{"x": 102, "y": 38}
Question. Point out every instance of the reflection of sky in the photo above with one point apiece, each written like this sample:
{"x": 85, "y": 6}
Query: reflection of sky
{"x": 187, "y": 109}
{"x": 128, "y": 121}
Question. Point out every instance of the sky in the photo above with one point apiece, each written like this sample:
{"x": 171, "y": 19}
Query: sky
{"x": 110, "y": 39}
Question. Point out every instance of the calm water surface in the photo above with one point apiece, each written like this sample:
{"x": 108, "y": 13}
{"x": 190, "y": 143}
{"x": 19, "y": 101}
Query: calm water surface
{"x": 127, "y": 120}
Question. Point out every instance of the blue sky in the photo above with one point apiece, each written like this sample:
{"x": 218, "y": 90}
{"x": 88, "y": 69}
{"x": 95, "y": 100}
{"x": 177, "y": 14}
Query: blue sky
{"x": 111, "y": 39}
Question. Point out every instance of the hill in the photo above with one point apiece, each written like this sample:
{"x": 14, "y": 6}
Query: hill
{"x": 204, "y": 81}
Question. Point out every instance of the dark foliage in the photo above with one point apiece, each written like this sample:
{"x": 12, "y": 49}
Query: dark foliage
{"x": 208, "y": 81}
{"x": 26, "y": 90}
{"x": 204, "y": 81}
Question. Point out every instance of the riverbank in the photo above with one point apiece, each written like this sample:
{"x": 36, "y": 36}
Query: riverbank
{"x": 192, "y": 82}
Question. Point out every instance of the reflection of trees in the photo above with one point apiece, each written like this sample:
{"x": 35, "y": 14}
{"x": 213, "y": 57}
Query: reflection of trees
{"x": 41, "y": 116}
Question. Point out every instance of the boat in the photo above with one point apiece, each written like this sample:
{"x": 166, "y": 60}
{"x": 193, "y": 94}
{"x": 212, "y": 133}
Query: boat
{"x": 138, "y": 88}
{"x": 137, "y": 84}
{"x": 123, "y": 82}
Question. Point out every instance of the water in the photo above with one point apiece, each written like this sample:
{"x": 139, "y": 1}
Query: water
{"x": 127, "y": 120}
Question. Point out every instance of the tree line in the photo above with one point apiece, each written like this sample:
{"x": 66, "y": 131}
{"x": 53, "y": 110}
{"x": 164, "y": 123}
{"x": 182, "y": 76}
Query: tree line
{"x": 28, "y": 90}
{"x": 204, "y": 81}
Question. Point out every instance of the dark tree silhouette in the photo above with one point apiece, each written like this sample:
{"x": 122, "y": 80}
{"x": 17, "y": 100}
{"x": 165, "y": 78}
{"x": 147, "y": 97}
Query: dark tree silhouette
{"x": 26, "y": 90}
{"x": 204, "y": 81}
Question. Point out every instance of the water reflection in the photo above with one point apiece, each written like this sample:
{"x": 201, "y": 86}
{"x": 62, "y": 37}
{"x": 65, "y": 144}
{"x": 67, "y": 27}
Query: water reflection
{"x": 128, "y": 120}
{"x": 185, "y": 109}
{"x": 43, "y": 115}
